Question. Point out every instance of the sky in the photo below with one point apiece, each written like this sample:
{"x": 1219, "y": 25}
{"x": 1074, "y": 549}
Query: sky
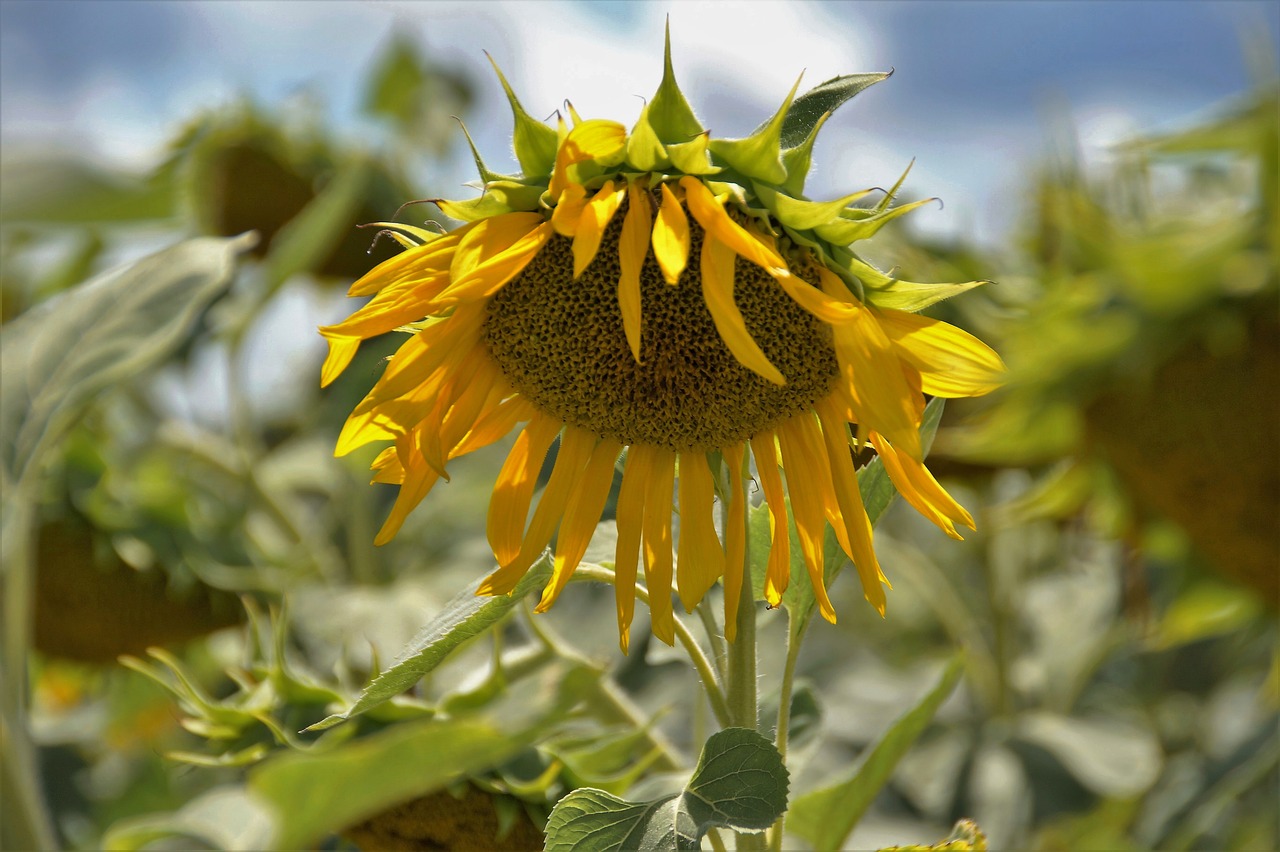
{"x": 975, "y": 87}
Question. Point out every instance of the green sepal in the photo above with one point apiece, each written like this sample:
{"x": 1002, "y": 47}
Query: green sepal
{"x": 797, "y": 160}
{"x": 804, "y": 215}
{"x": 670, "y": 115}
{"x": 844, "y": 231}
{"x": 535, "y": 143}
{"x": 487, "y": 175}
{"x": 885, "y": 291}
{"x": 893, "y": 190}
{"x": 691, "y": 157}
{"x": 645, "y": 151}
{"x": 810, "y": 109}
{"x": 503, "y": 196}
{"x": 759, "y": 155}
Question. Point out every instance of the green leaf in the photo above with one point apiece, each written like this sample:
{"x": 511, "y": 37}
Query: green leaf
{"x": 56, "y": 357}
{"x": 825, "y": 817}
{"x": 759, "y": 155}
{"x": 396, "y": 85}
{"x": 740, "y": 783}
{"x": 464, "y": 618}
{"x": 807, "y": 111}
{"x": 309, "y": 237}
{"x": 53, "y": 190}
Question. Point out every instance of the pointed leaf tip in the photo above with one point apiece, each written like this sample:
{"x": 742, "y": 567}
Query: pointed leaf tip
{"x": 669, "y": 114}
{"x": 535, "y": 143}
{"x": 807, "y": 111}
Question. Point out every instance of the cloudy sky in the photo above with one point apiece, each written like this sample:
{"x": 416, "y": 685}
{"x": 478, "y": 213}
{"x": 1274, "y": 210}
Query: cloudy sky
{"x": 974, "y": 88}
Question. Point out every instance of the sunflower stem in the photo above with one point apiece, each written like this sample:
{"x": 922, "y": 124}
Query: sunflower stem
{"x": 706, "y": 671}
{"x": 794, "y": 637}
{"x": 715, "y": 636}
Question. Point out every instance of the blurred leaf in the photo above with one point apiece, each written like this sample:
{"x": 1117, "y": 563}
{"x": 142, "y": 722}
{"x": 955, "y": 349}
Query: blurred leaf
{"x": 309, "y": 238}
{"x": 825, "y": 817}
{"x": 1207, "y": 609}
{"x": 740, "y": 783}
{"x": 1111, "y": 758}
{"x": 67, "y": 190}
{"x": 463, "y": 618}
{"x": 224, "y": 818}
{"x": 59, "y": 355}
{"x": 396, "y": 85}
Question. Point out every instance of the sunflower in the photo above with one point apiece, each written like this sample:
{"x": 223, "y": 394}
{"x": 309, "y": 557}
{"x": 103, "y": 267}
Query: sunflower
{"x": 677, "y": 298}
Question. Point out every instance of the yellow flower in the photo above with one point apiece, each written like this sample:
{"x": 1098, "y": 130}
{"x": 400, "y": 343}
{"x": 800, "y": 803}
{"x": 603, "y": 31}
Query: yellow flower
{"x": 675, "y": 296}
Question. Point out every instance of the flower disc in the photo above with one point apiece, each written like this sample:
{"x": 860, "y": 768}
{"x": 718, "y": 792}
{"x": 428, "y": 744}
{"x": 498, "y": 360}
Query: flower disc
{"x": 561, "y": 343}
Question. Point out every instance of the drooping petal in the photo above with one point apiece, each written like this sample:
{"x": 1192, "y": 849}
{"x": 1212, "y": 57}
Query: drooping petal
{"x": 575, "y": 450}
{"x": 592, "y": 223}
{"x": 952, "y": 362}
{"x": 565, "y": 217}
{"x": 658, "y": 566}
{"x": 735, "y": 540}
{"x": 809, "y": 478}
{"x": 875, "y": 379}
{"x": 718, "y": 262}
{"x": 631, "y": 500}
{"x": 432, "y": 257}
{"x": 853, "y": 513}
{"x": 701, "y": 559}
{"x": 671, "y": 236}
{"x": 915, "y": 483}
{"x": 778, "y": 572}
{"x": 495, "y": 423}
{"x": 582, "y": 513}
{"x": 632, "y": 249}
{"x": 711, "y": 215}
{"x": 417, "y": 482}
{"x": 513, "y": 490}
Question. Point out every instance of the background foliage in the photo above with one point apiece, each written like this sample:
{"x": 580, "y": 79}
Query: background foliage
{"x": 281, "y": 683}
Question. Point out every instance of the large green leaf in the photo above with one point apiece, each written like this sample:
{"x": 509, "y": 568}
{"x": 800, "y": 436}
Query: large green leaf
{"x": 825, "y": 817}
{"x": 309, "y": 237}
{"x": 62, "y": 353}
{"x": 463, "y": 618}
{"x": 295, "y": 800}
{"x": 740, "y": 783}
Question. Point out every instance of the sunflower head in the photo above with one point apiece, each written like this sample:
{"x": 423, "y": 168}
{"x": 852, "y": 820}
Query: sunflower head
{"x": 677, "y": 296}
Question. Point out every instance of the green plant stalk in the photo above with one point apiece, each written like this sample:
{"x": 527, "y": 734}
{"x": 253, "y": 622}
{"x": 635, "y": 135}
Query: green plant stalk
{"x": 715, "y": 635}
{"x": 706, "y": 671}
{"x": 795, "y": 635}
{"x": 744, "y": 707}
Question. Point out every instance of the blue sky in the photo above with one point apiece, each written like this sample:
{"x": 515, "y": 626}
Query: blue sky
{"x": 975, "y": 82}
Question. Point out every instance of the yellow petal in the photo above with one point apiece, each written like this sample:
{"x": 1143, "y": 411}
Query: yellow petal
{"x": 513, "y": 489}
{"x": 341, "y": 350}
{"x": 490, "y": 237}
{"x": 580, "y": 518}
{"x": 575, "y": 450}
{"x": 808, "y": 474}
{"x": 631, "y": 253}
{"x": 658, "y": 566}
{"x": 915, "y": 483}
{"x": 875, "y": 379}
{"x": 569, "y": 210}
{"x": 718, "y": 224}
{"x": 853, "y": 514}
{"x": 631, "y": 499}
{"x": 778, "y": 572}
{"x": 396, "y": 306}
{"x": 735, "y": 541}
{"x": 418, "y": 480}
{"x": 432, "y": 257}
{"x": 488, "y": 277}
{"x": 591, "y": 225}
{"x": 952, "y": 362}
{"x": 495, "y": 423}
{"x": 671, "y": 236}
{"x": 717, "y": 291}
{"x": 590, "y": 140}
{"x": 387, "y": 468}
{"x": 701, "y": 560}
